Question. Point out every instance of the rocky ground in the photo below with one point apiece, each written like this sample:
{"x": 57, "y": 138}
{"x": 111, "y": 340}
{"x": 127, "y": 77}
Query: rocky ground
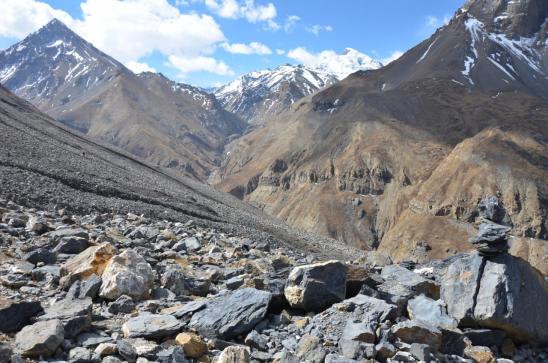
{"x": 112, "y": 288}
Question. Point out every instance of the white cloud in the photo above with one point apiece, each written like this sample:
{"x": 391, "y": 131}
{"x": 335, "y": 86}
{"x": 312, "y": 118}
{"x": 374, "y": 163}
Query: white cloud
{"x": 233, "y": 9}
{"x": 280, "y": 51}
{"x": 21, "y": 17}
{"x": 341, "y": 65}
{"x": 431, "y": 23}
{"x": 252, "y": 48}
{"x": 392, "y": 57}
{"x": 197, "y": 64}
{"x": 139, "y": 67}
{"x": 316, "y": 29}
{"x": 290, "y": 22}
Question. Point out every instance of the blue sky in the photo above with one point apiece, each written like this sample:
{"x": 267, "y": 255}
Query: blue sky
{"x": 201, "y": 41}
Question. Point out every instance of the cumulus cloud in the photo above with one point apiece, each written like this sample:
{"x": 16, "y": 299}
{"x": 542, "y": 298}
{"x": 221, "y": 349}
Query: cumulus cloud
{"x": 208, "y": 64}
{"x": 128, "y": 30}
{"x": 290, "y": 22}
{"x": 21, "y": 17}
{"x": 233, "y": 9}
{"x": 316, "y": 29}
{"x": 139, "y": 67}
{"x": 392, "y": 57}
{"x": 280, "y": 51}
{"x": 251, "y": 48}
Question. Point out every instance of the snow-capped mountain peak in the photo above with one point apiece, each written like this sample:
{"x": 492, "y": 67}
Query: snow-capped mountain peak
{"x": 342, "y": 65}
{"x": 53, "y": 60}
{"x": 259, "y": 95}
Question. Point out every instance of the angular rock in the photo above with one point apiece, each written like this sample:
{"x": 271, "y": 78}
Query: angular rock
{"x": 91, "y": 261}
{"x": 491, "y": 208}
{"x": 421, "y": 352}
{"x": 124, "y": 304}
{"x": 127, "y": 274}
{"x": 75, "y": 315}
{"x": 15, "y": 315}
{"x": 174, "y": 280}
{"x": 424, "y": 309}
{"x": 105, "y": 349}
{"x": 71, "y": 245}
{"x": 502, "y": 292}
{"x": 411, "y": 331}
{"x": 86, "y": 288}
{"x": 42, "y": 255}
{"x": 193, "y": 345}
{"x": 151, "y": 326}
{"x": 234, "y": 354}
{"x": 400, "y": 285}
{"x": 39, "y": 339}
{"x": 358, "y": 331}
{"x": 192, "y": 244}
{"x": 231, "y": 315}
{"x": 480, "y": 354}
{"x": 491, "y": 239}
{"x": 126, "y": 350}
{"x": 310, "y": 349}
{"x": 79, "y": 355}
{"x": 317, "y": 286}
{"x": 37, "y": 225}
{"x": 385, "y": 350}
{"x": 485, "y": 337}
{"x": 256, "y": 340}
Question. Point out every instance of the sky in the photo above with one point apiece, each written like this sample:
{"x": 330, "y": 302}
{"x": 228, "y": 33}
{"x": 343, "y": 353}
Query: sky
{"x": 211, "y": 42}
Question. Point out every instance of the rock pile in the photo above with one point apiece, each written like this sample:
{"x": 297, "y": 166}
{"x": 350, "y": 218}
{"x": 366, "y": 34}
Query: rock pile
{"x": 114, "y": 288}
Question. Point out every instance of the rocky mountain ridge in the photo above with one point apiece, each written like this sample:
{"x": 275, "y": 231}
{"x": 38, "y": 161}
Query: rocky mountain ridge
{"x": 172, "y": 125}
{"x": 395, "y": 158}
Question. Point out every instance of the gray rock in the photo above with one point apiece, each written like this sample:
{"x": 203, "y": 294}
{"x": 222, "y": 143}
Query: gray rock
{"x": 15, "y": 315}
{"x": 192, "y": 244}
{"x": 310, "y": 349}
{"x": 124, "y": 304}
{"x": 430, "y": 311}
{"x": 90, "y": 287}
{"x": 234, "y": 354}
{"x": 421, "y": 351}
{"x": 358, "y": 331}
{"x": 316, "y": 287}
{"x": 502, "y": 292}
{"x": 231, "y": 315}
{"x": 491, "y": 239}
{"x": 174, "y": 280}
{"x": 39, "y": 339}
{"x": 151, "y": 326}
{"x": 453, "y": 341}
{"x": 385, "y": 350}
{"x": 14, "y": 281}
{"x": 127, "y": 274}
{"x": 44, "y": 272}
{"x": 67, "y": 232}
{"x": 491, "y": 208}
{"x": 5, "y": 353}
{"x": 399, "y": 285}
{"x": 354, "y": 349}
{"x": 37, "y": 225}
{"x": 234, "y": 282}
{"x": 412, "y": 331}
{"x": 71, "y": 245}
{"x": 198, "y": 286}
{"x": 256, "y": 340}
{"x": 334, "y": 358}
{"x": 126, "y": 350}
{"x": 79, "y": 355}
{"x": 75, "y": 315}
{"x": 41, "y": 255}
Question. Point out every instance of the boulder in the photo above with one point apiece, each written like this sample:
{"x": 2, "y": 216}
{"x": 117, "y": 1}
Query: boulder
{"x": 234, "y": 354}
{"x": 358, "y": 331}
{"x": 15, "y": 315}
{"x": 40, "y": 339}
{"x": 232, "y": 314}
{"x": 193, "y": 345}
{"x": 173, "y": 279}
{"x": 127, "y": 274}
{"x": 501, "y": 292}
{"x": 412, "y": 331}
{"x": 430, "y": 311}
{"x": 124, "y": 304}
{"x": 79, "y": 355}
{"x": 91, "y": 261}
{"x": 480, "y": 354}
{"x": 75, "y": 315}
{"x": 316, "y": 287}
{"x": 401, "y": 284}
{"x": 37, "y": 225}
{"x": 192, "y": 244}
{"x": 310, "y": 349}
{"x": 485, "y": 337}
{"x": 492, "y": 209}
{"x": 151, "y": 326}
{"x": 89, "y": 287}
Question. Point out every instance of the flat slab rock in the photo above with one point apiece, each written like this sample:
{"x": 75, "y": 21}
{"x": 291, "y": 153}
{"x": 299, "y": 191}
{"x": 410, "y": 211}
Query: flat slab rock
{"x": 232, "y": 314}
{"x": 39, "y": 339}
{"x": 151, "y": 326}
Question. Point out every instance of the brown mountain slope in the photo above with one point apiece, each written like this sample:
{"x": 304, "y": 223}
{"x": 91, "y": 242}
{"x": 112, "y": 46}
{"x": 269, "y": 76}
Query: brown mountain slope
{"x": 399, "y": 158}
{"x": 169, "y": 124}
